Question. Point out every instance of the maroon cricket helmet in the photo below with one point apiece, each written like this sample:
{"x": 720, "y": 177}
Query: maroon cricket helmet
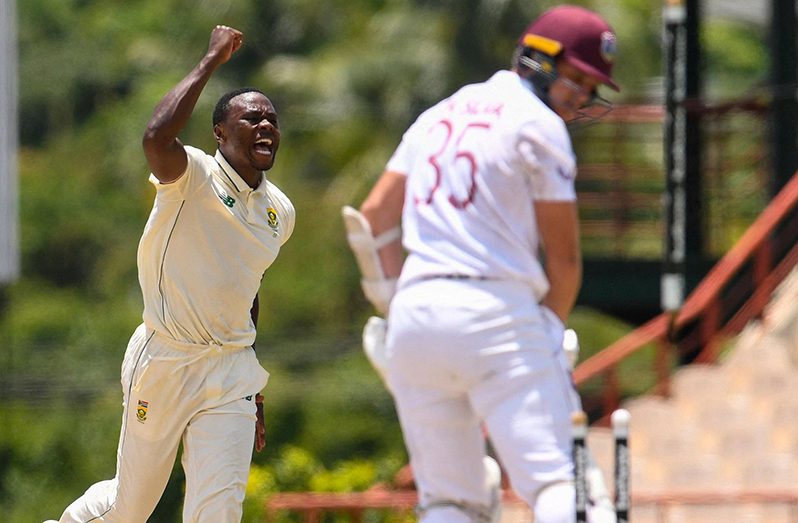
{"x": 585, "y": 40}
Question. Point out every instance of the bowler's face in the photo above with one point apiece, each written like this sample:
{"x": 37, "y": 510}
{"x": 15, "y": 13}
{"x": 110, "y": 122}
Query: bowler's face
{"x": 249, "y": 135}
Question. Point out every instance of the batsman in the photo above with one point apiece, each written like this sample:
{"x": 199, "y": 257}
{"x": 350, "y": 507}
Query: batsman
{"x": 469, "y": 248}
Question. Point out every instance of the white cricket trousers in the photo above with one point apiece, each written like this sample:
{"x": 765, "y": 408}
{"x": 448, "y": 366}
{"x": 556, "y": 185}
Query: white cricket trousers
{"x": 204, "y": 395}
{"x": 463, "y": 354}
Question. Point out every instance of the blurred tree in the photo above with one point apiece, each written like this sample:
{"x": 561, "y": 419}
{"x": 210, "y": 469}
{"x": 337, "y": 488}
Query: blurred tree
{"x": 347, "y": 77}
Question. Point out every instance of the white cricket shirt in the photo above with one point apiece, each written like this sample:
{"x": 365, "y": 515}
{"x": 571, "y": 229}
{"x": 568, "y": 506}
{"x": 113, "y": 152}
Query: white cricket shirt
{"x": 475, "y": 164}
{"x": 204, "y": 250}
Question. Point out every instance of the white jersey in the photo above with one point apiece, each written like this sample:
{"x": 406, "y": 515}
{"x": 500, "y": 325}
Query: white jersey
{"x": 475, "y": 164}
{"x": 206, "y": 245}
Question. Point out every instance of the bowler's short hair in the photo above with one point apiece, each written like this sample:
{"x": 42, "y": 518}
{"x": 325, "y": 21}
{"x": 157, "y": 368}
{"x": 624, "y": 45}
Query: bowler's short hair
{"x": 223, "y": 105}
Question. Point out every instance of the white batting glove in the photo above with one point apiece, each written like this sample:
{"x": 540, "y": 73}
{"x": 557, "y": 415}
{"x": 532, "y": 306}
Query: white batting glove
{"x": 570, "y": 344}
{"x": 374, "y": 344}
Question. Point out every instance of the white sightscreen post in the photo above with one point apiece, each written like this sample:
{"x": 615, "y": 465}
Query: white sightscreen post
{"x": 672, "y": 284}
{"x": 9, "y": 213}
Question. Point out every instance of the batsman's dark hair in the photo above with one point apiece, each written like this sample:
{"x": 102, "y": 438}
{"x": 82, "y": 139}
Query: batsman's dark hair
{"x": 223, "y": 105}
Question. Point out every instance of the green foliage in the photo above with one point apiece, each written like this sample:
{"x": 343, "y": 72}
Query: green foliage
{"x": 347, "y": 77}
{"x": 736, "y": 58}
{"x": 297, "y": 470}
{"x": 50, "y": 453}
{"x": 348, "y": 476}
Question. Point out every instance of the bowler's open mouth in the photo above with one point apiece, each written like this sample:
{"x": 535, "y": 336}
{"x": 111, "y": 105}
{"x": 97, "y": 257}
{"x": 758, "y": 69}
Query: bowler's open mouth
{"x": 264, "y": 146}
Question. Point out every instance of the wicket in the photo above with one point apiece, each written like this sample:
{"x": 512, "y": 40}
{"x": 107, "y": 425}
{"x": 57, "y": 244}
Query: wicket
{"x": 579, "y": 437}
{"x": 620, "y": 431}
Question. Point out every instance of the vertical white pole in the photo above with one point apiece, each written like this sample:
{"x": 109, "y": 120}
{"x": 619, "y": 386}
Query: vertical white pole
{"x": 672, "y": 283}
{"x": 9, "y": 214}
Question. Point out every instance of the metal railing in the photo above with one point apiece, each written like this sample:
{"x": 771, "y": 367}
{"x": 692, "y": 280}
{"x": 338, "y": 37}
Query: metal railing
{"x": 734, "y": 292}
{"x": 621, "y": 178}
{"x": 355, "y": 505}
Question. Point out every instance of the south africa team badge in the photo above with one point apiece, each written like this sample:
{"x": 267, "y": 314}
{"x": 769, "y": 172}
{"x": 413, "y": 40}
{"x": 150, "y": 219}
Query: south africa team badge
{"x": 271, "y": 213}
{"x": 141, "y": 411}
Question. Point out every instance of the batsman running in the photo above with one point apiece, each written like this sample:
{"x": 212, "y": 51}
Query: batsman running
{"x": 190, "y": 373}
{"x": 482, "y": 189}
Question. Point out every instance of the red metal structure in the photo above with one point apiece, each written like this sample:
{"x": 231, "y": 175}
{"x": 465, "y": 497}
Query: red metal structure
{"x": 734, "y": 292}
